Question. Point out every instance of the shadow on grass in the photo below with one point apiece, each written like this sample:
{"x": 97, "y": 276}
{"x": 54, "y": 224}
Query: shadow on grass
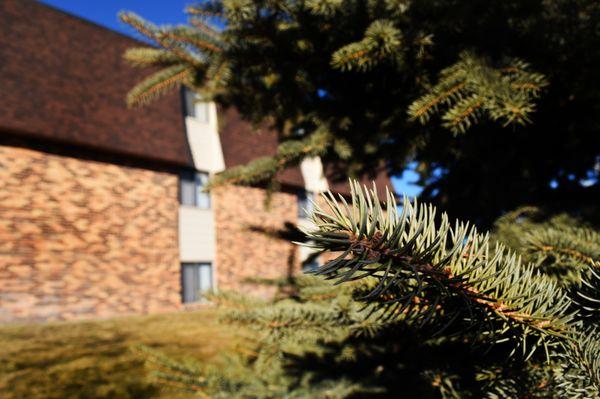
{"x": 95, "y": 360}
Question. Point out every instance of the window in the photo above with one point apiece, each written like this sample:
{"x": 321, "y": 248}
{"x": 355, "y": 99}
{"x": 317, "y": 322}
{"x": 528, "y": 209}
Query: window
{"x": 309, "y": 258}
{"x": 192, "y": 187}
{"x": 195, "y": 107}
{"x": 311, "y": 264}
{"x": 305, "y": 205}
{"x": 196, "y": 280}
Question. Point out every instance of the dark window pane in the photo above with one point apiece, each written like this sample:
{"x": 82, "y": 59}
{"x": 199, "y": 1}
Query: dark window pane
{"x": 187, "y": 195}
{"x": 311, "y": 264}
{"x": 190, "y": 110}
{"x": 189, "y": 280}
{"x": 202, "y": 196}
{"x": 196, "y": 279}
{"x": 305, "y": 205}
{"x": 205, "y": 278}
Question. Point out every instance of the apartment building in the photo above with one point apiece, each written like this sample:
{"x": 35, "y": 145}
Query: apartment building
{"x": 102, "y": 208}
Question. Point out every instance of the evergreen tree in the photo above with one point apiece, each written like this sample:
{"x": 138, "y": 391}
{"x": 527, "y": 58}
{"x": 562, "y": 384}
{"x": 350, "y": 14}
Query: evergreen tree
{"x": 416, "y": 306}
{"x": 507, "y": 88}
{"x": 494, "y": 100}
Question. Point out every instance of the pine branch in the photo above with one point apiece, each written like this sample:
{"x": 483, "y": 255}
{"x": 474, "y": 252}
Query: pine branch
{"x": 173, "y": 373}
{"x": 144, "y": 27}
{"x": 158, "y": 83}
{"x": 463, "y": 114}
{"x": 587, "y": 298}
{"x": 262, "y": 169}
{"x": 200, "y": 39}
{"x": 579, "y": 246}
{"x": 579, "y": 376}
{"x": 291, "y": 317}
{"x": 160, "y": 37}
{"x": 382, "y": 41}
{"x": 422, "y": 108}
{"x": 217, "y": 75}
{"x": 472, "y": 87}
{"x": 532, "y": 380}
{"x": 144, "y": 56}
{"x": 415, "y": 259}
{"x": 194, "y": 49}
{"x": 210, "y": 9}
{"x": 563, "y": 252}
{"x": 207, "y": 29}
{"x": 237, "y": 11}
{"x": 328, "y": 8}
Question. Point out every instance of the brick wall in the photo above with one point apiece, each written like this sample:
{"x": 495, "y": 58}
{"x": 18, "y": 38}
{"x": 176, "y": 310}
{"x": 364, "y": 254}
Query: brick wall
{"x": 243, "y": 249}
{"x": 82, "y": 238}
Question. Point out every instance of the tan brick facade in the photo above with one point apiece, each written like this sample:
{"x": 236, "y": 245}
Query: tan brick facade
{"x": 81, "y": 238}
{"x": 244, "y": 248}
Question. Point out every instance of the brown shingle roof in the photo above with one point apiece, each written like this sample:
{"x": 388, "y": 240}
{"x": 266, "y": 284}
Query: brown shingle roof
{"x": 243, "y": 143}
{"x": 63, "y": 78}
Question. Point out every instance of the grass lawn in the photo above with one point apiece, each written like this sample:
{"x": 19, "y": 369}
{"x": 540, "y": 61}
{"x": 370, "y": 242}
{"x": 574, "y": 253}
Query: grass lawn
{"x": 95, "y": 359}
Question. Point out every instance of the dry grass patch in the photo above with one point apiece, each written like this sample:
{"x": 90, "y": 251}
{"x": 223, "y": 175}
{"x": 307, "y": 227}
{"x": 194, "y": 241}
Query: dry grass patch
{"x": 95, "y": 359}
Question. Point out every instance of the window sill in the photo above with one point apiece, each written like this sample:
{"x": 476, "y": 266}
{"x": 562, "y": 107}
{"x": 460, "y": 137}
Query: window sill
{"x": 203, "y": 304}
{"x": 181, "y": 206}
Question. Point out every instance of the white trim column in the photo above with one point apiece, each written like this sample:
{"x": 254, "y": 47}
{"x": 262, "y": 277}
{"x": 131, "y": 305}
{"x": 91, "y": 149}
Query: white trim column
{"x": 197, "y": 229}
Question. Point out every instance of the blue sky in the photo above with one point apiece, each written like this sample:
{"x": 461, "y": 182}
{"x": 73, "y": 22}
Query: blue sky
{"x": 169, "y": 12}
{"x": 105, "y": 12}
{"x": 404, "y": 184}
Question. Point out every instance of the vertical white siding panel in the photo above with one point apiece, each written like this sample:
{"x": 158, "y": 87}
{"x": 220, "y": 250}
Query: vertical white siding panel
{"x": 205, "y": 143}
{"x": 196, "y": 235}
{"x": 314, "y": 178}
